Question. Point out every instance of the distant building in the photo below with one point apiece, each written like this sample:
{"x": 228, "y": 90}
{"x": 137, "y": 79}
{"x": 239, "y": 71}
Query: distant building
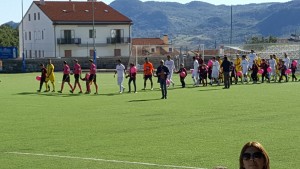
{"x": 65, "y": 29}
{"x": 152, "y": 47}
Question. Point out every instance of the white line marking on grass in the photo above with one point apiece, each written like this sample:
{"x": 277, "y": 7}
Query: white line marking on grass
{"x": 104, "y": 160}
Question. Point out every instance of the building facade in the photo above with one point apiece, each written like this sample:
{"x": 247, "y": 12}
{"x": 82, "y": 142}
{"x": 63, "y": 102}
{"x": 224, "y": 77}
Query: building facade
{"x": 73, "y": 29}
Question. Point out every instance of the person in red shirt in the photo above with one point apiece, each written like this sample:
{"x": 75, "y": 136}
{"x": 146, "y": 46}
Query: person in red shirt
{"x": 66, "y": 77}
{"x": 264, "y": 65}
{"x": 43, "y": 76}
{"x": 148, "y": 73}
{"x": 77, "y": 73}
{"x": 92, "y": 77}
{"x": 182, "y": 74}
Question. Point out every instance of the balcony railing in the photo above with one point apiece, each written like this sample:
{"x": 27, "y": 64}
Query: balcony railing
{"x": 118, "y": 40}
{"x": 63, "y": 41}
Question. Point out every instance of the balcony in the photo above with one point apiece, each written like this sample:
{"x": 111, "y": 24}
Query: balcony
{"x": 118, "y": 40}
{"x": 63, "y": 41}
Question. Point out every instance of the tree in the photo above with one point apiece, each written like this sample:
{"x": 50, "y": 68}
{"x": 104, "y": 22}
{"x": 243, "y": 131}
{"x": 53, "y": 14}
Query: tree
{"x": 8, "y": 36}
{"x": 256, "y": 39}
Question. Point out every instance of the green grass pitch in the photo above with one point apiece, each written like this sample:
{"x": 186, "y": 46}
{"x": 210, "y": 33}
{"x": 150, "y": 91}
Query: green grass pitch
{"x": 199, "y": 127}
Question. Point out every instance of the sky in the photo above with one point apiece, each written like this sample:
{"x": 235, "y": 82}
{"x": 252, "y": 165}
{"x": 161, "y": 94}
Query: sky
{"x": 11, "y": 10}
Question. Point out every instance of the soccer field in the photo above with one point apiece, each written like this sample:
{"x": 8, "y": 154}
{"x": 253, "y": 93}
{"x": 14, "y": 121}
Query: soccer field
{"x": 199, "y": 127}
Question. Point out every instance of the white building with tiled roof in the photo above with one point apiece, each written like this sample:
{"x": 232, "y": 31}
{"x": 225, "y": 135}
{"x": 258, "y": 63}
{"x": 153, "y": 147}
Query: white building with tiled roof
{"x": 65, "y": 29}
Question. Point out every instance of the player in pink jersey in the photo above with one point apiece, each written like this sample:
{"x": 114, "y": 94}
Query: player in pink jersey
{"x": 77, "y": 73}
{"x": 66, "y": 77}
{"x": 92, "y": 78}
{"x": 132, "y": 77}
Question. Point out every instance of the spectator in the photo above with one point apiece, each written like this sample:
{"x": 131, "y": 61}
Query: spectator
{"x": 254, "y": 156}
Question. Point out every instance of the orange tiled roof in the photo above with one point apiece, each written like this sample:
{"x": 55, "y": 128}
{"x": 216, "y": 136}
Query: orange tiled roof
{"x": 74, "y": 11}
{"x": 147, "y": 41}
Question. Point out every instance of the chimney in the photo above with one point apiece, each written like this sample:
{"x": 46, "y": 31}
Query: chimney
{"x": 166, "y": 39}
{"x": 42, "y": 2}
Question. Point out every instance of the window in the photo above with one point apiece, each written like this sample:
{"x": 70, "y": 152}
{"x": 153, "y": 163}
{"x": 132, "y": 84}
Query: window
{"x": 117, "y": 52}
{"x": 30, "y": 53}
{"x": 35, "y": 54}
{"x": 25, "y": 35}
{"x": 34, "y": 16}
{"x": 29, "y": 34}
{"x": 39, "y": 54}
{"x": 91, "y": 52}
{"x": 42, "y": 35}
{"x": 170, "y": 50}
{"x": 152, "y": 50}
{"x": 91, "y": 33}
{"x": 117, "y": 35}
{"x": 43, "y": 53}
{"x": 68, "y": 53}
{"x": 29, "y": 17}
{"x": 39, "y": 16}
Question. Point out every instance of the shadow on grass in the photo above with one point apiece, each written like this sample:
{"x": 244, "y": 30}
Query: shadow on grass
{"x": 48, "y": 94}
{"x": 144, "y": 100}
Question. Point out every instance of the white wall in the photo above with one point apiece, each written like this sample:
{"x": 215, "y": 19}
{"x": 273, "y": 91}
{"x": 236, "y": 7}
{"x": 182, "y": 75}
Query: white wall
{"x": 44, "y": 43}
{"x": 48, "y": 43}
{"x": 102, "y": 33}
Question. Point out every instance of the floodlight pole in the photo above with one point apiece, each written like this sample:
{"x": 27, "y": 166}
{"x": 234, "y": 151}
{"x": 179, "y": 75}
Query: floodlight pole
{"x": 23, "y": 54}
{"x": 94, "y": 54}
{"x": 231, "y": 25}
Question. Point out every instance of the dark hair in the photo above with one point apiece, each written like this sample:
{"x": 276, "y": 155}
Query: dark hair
{"x": 119, "y": 60}
{"x": 65, "y": 62}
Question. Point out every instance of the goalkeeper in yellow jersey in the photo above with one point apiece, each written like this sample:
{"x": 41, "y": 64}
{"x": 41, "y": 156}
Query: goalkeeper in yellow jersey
{"x": 50, "y": 76}
{"x": 237, "y": 66}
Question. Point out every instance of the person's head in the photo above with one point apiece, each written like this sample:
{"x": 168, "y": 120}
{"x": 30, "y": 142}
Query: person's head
{"x": 146, "y": 60}
{"x": 213, "y": 58}
{"x": 49, "y": 61}
{"x": 65, "y": 62}
{"x": 263, "y": 60}
{"x": 237, "y": 56}
{"x": 252, "y": 51}
{"x": 119, "y": 61}
{"x": 75, "y": 60}
{"x": 274, "y": 56}
{"x": 131, "y": 64}
{"x": 42, "y": 65}
{"x": 254, "y": 156}
{"x": 271, "y": 56}
{"x": 244, "y": 57}
{"x": 91, "y": 61}
{"x": 181, "y": 65}
{"x": 225, "y": 58}
{"x": 169, "y": 57}
{"x": 254, "y": 61}
{"x": 282, "y": 62}
{"x": 161, "y": 62}
{"x": 194, "y": 58}
{"x": 285, "y": 55}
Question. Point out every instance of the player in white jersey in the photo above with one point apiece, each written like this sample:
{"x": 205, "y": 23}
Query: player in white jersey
{"x": 287, "y": 61}
{"x": 272, "y": 63}
{"x": 245, "y": 68}
{"x": 120, "y": 71}
{"x": 169, "y": 63}
{"x": 252, "y": 56}
{"x": 195, "y": 74}
{"x": 215, "y": 71}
